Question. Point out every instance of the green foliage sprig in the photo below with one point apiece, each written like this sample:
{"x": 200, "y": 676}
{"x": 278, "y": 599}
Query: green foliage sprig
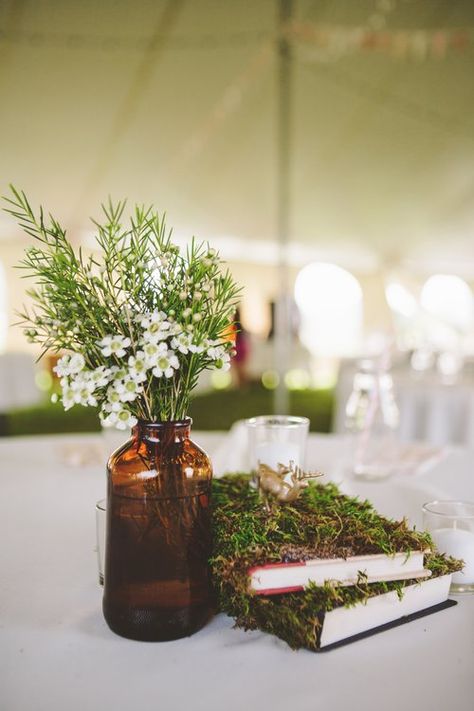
{"x": 140, "y": 319}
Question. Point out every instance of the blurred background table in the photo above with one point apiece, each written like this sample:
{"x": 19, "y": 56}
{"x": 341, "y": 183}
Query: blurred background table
{"x": 58, "y": 653}
{"x": 430, "y": 410}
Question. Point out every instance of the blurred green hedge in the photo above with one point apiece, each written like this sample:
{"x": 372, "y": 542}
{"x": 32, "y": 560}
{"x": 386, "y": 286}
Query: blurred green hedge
{"x": 216, "y": 410}
{"x": 219, "y": 409}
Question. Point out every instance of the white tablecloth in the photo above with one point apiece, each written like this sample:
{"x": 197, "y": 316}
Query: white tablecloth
{"x": 57, "y": 653}
{"x": 430, "y": 410}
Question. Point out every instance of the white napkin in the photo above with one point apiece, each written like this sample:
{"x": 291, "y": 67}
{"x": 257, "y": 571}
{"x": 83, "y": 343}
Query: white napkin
{"x": 232, "y": 455}
{"x": 417, "y": 457}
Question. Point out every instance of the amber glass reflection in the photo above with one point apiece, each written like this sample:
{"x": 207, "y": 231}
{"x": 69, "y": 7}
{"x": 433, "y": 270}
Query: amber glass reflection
{"x": 158, "y": 534}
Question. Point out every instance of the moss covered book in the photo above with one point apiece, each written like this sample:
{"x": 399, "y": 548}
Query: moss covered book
{"x": 324, "y": 526}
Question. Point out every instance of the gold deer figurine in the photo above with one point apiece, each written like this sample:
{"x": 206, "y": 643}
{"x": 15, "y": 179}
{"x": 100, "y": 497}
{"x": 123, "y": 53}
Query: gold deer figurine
{"x": 271, "y": 482}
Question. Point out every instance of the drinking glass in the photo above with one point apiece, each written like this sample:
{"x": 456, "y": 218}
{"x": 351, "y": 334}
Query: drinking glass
{"x": 277, "y": 439}
{"x": 451, "y": 524}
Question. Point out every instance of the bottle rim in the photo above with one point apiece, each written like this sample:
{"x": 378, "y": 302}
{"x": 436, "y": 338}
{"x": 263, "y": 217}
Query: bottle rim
{"x": 164, "y": 424}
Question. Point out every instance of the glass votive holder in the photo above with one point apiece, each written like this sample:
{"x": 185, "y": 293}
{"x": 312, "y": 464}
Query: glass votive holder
{"x": 100, "y": 528}
{"x": 277, "y": 439}
{"x": 451, "y": 525}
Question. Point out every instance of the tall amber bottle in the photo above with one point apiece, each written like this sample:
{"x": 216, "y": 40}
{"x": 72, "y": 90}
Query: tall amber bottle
{"x": 158, "y": 534}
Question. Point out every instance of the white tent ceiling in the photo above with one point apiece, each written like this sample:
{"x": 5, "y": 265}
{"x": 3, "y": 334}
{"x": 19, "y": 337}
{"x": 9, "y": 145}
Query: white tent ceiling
{"x": 175, "y": 102}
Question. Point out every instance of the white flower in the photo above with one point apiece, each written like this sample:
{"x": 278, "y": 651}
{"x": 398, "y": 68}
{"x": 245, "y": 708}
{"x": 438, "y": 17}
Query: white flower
{"x": 67, "y": 398}
{"x": 68, "y": 365}
{"x": 85, "y": 397}
{"x": 62, "y": 367}
{"x": 223, "y": 363}
{"x": 182, "y": 343}
{"x": 81, "y": 380}
{"x": 187, "y": 312}
{"x": 156, "y": 317}
{"x": 197, "y": 317}
{"x": 82, "y": 387}
{"x": 125, "y": 420}
{"x": 114, "y": 345}
{"x": 174, "y": 330}
{"x": 77, "y": 388}
{"x": 137, "y": 367}
{"x": 54, "y": 397}
{"x": 152, "y": 352}
{"x": 156, "y": 327}
{"x": 118, "y": 373}
{"x": 197, "y": 296}
{"x": 122, "y": 420}
{"x": 215, "y": 350}
{"x": 166, "y": 364}
{"x": 113, "y": 399}
{"x": 101, "y": 376}
{"x": 183, "y": 295}
{"x": 154, "y": 335}
{"x": 128, "y": 389}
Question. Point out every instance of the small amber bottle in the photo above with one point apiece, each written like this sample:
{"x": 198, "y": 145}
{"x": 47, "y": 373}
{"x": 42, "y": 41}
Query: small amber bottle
{"x": 157, "y": 584}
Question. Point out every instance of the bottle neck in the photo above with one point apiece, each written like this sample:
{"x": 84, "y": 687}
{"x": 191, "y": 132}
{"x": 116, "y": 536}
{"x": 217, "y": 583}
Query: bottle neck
{"x": 172, "y": 431}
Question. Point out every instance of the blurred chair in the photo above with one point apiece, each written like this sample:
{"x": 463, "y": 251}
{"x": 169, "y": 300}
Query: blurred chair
{"x": 17, "y": 382}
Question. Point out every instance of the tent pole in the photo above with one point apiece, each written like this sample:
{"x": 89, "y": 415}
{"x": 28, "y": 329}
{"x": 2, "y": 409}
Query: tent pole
{"x": 282, "y": 320}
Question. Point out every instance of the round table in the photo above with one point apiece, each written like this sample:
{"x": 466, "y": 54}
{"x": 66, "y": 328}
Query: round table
{"x": 58, "y": 654}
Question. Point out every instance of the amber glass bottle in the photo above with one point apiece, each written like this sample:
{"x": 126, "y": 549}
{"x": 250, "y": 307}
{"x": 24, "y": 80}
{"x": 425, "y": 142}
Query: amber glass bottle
{"x": 158, "y": 534}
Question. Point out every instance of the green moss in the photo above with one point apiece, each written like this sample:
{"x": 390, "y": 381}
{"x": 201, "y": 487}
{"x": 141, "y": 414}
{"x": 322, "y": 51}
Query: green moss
{"x": 321, "y": 523}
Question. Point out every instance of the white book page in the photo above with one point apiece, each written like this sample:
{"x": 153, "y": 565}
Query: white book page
{"x": 345, "y": 622}
{"x": 346, "y": 572}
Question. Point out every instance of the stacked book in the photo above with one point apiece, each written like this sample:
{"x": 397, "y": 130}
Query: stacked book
{"x": 322, "y": 571}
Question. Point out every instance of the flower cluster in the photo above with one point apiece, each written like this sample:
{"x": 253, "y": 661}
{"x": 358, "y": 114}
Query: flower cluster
{"x": 138, "y": 319}
{"x": 161, "y": 345}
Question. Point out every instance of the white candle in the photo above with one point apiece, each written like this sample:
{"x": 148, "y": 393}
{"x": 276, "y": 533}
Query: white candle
{"x": 458, "y": 543}
{"x": 274, "y": 453}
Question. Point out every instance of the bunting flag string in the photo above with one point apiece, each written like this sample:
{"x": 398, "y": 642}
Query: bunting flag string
{"x": 321, "y": 43}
